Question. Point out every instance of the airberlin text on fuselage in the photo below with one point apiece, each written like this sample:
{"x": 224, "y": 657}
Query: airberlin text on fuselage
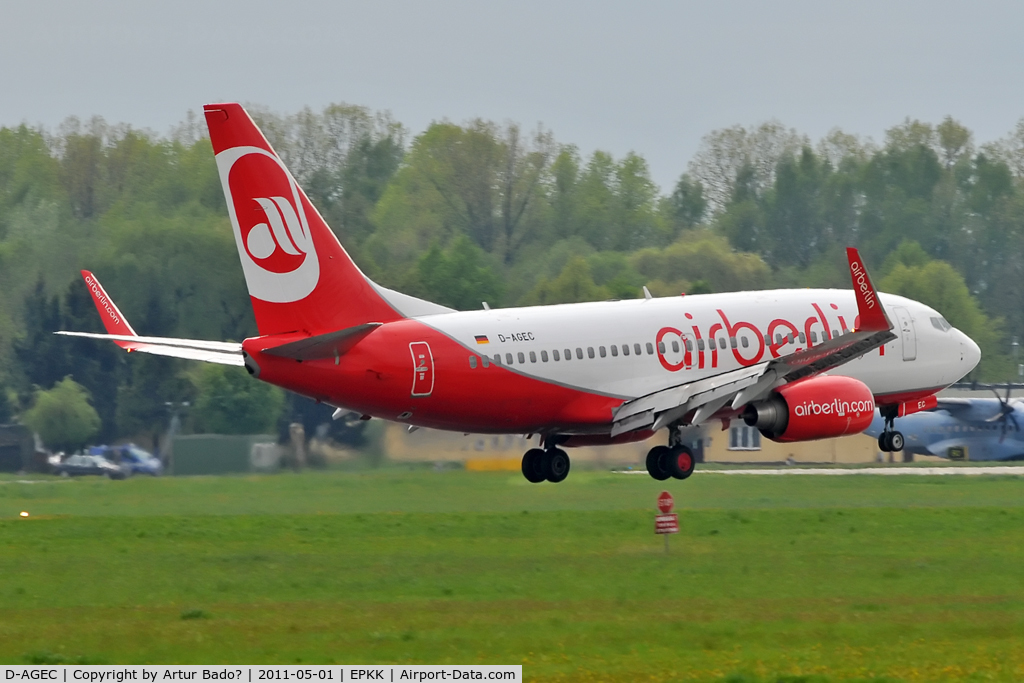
{"x": 694, "y": 356}
{"x": 102, "y": 298}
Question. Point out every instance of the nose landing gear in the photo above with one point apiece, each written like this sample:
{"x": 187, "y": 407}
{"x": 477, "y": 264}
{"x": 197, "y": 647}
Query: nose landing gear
{"x": 890, "y": 440}
{"x": 540, "y": 465}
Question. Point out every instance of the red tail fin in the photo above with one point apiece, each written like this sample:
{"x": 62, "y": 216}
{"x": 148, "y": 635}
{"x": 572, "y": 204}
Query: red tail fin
{"x": 299, "y": 276}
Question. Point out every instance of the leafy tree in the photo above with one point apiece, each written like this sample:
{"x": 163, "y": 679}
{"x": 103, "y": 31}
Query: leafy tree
{"x": 574, "y": 284}
{"x": 459, "y": 278}
{"x": 6, "y": 406}
{"x": 700, "y": 256}
{"x": 687, "y": 205}
{"x": 63, "y": 416}
{"x": 231, "y": 402}
{"x": 724, "y": 152}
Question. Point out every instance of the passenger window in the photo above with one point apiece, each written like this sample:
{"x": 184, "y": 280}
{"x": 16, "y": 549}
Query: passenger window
{"x": 744, "y": 342}
{"x": 497, "y": 359}
{"x": 603, "y": 351}
{"x": 615, "y": 350}
{"x": 579, "y": 353}
{"x": 661, "y": 347}
{"x": 533, "y": 357}
{"x": 650, "y": 349}
{"x": 590, "y": 351}
{"x": 767, "y": 340}
{"x": 508, "y": 359}
{"x": 675, "y": 347}
{"x": 689, "y": 345}
{"x": 485, "y": 361}
{"x": 835, "y": 333}
{"x": 789, "y": 339}
{"x": 625, "y": 349}
{"x": 554, "y": 354}
{"x": 568, "y": 354}
{"x": 721, "y": 343}
{"x": 636, "y": 349}
{"x": 472, "y": 362}
{"x": 814, "y": 337}
{"x": 700, "y": 344}
{"x": 778, "y": 338}
{"x": 522, "y": 358}
{"x": 544, "y": 356}
{"x": 803, "y": 339}
{"x": 732, "y": 342}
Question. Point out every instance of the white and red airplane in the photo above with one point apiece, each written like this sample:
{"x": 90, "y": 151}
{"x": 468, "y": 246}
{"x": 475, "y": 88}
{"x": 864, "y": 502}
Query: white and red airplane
{"x": 798, "y": 364}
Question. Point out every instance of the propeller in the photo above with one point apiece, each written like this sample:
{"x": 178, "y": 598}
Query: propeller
{"x": 1005, "y": 411}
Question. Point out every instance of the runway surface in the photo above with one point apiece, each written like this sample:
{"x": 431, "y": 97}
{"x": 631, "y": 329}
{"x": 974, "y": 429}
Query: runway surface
{"x": 1015, "y": 470}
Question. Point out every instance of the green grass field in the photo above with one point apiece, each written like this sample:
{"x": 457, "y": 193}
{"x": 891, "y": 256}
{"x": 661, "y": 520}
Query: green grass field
{"x": 829, "y": 578}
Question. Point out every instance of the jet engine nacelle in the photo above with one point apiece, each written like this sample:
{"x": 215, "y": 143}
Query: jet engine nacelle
{"x": 816, "y": 408}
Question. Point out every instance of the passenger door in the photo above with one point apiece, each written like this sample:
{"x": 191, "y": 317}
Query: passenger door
{"x": 907, "y": 333}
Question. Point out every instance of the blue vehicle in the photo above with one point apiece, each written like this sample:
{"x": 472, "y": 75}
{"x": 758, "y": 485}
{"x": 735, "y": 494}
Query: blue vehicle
{"x": 132, "y": 459}
{"x": 963, "y": 429}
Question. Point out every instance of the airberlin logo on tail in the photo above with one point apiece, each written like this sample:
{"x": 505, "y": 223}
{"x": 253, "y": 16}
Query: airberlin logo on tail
{"x": 860, "y": 278}
{"x": 269, "y": 221}
{"x": 281, "y": 231}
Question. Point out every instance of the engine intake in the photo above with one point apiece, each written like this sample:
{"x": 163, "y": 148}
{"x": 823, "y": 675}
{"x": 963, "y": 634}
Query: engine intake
{"x": 816, "y": 408}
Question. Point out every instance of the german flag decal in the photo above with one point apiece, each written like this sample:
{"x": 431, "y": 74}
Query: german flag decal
{"x": 482, "y": 339}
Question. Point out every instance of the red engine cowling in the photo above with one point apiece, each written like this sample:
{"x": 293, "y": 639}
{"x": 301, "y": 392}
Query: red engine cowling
{"x": 816, "y": 408}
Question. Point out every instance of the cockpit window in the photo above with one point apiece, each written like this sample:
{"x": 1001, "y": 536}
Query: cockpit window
{"x": 941, "y": 324}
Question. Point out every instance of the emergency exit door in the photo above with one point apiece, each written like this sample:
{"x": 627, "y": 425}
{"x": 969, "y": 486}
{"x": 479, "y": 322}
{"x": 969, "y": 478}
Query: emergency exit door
{"x": 422, "y": 369}
{"x": 906, "y": 326}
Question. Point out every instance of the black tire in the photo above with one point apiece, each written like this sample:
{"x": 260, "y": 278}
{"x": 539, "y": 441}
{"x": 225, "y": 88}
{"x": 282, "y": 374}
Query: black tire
{"x": 656, "y": 461}
{"x": 679, "y": 462}
{"x": 533, "y": 466}
{"x": 556, "y": 465}
{"x": 883, "y": 442}
{"x": 896, "y": 441}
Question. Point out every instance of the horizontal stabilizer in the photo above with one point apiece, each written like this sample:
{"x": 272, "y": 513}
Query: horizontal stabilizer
{"x": 330, "y": 345}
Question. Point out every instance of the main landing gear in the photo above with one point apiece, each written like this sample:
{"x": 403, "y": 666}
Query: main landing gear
{"x": 890, "y": 440}
{"x": 549, "y": 464}
{"x": 674, "y": 460}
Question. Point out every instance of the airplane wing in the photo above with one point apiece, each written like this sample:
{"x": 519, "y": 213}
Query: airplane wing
{"x": 122, "y": 334}
{"x": 707, "y": 396}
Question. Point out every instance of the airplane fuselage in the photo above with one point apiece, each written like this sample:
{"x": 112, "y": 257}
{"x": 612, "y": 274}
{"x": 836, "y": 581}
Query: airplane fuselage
{"x": 566, "y": 367}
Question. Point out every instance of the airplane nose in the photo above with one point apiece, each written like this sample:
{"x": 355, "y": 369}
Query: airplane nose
{"x": 970, "y": 354}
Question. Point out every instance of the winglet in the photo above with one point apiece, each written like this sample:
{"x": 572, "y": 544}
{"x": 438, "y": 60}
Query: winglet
{"x": 869, "y": 307}
{"x": 112, "y": 318}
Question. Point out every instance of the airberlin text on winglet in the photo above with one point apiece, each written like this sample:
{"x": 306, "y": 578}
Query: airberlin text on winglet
{"x": 861, "y": 280}
{"x": 102, "y": 299}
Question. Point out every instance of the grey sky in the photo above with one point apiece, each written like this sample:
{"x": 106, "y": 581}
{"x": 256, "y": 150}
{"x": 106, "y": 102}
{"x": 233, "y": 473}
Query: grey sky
{"x": 652, "y": 77}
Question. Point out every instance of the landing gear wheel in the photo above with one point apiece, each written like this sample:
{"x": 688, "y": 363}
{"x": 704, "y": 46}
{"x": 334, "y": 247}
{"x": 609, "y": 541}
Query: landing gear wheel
{"x": 896, "y": 441}
{"x": 533, "y": 465}
{"x": 883, "y": 442}
{"x": 680, "y": 462}
{"x": 556, "y": 465}
{"x": 657, "y": 462}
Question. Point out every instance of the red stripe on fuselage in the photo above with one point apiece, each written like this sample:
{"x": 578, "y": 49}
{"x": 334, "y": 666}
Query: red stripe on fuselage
{"x": 375, "y": 376}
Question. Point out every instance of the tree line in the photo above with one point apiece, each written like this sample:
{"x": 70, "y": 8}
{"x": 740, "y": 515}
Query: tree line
{"x": 462, "y": 214}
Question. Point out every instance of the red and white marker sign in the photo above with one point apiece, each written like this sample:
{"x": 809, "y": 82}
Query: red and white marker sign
{"x": 666, "y": 524}
{"x": 665, "y": 502}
